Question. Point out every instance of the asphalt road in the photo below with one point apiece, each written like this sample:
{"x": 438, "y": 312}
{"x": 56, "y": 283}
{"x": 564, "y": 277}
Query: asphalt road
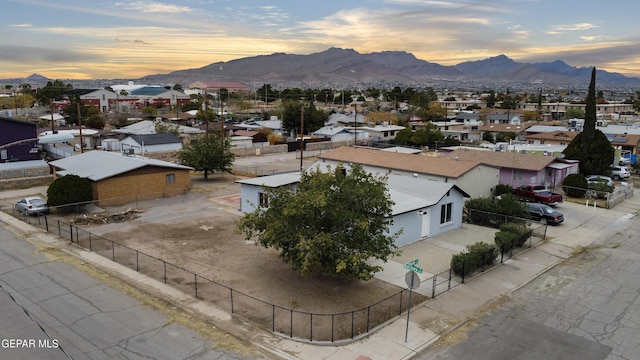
{"x": 586, "y": 308}
{"x": 49, "y": 309}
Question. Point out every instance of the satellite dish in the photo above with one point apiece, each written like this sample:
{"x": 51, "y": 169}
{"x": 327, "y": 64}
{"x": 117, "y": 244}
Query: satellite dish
{"x": 561, "y": 156}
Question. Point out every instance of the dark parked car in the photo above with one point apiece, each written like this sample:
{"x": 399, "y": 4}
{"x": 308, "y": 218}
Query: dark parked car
{"x": 32, "y": 206}
{"x": 545, "y": 213}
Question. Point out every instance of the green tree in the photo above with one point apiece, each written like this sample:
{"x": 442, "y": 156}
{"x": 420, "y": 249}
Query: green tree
{"x": 94, "y": 121}
{"x": 210, "y": 153}
{"x": 69, "y": 190}
{"x": 71, "y": 111}
{"x": 574, "y": 113}
{"x": 167, "y": 128}
{"x": 333, "y": 222}
{"x": 149, "y": 110}
{"x": 636, "y": 101}
{"x": 314, "y": 119}
{"x": 591, "y": 147}
{"x": 491, "y": 99}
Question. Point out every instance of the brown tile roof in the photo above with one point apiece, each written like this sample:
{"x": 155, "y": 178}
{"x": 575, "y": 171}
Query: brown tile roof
{"x": 439, "y": 166}
{"x": 631, "y": 140}
{"x": 503, "y": 159}
{"x": 558, "y": 135}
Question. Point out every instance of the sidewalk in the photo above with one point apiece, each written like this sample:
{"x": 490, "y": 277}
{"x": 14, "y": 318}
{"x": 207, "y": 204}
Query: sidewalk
{"x": 427, "y": 322}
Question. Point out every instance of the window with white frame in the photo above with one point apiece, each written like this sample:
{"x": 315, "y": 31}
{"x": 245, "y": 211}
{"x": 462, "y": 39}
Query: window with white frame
{"x": 445, "y": 213}
{"x": 171, "y": 178}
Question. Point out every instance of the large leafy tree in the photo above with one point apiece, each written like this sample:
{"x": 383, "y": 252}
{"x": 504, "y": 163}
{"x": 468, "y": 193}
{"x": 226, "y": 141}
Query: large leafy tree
{"x": 333, "y": 221}
{"x": 591, "y": 147}
{"x": 70, "y": 190}
{"x": 210, "y": 153}
{"x": 314, "y": 119}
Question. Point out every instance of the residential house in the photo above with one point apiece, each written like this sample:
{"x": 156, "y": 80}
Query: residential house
{"x": 472, "y": 177}
{"x": 502, "y": 129}
{"x": 383, "y": 132}
{"x": 256, "y": 136}
{"x": 335, "y": 133}
{"x": 421, "y": 208}
{"x": 149, "y": 127}
{"x": 558, "y": 137}
{"x": 142, "y": 144}
{"x": 18, "y": 140}
{"x": 119, "y": 179}
{"x": 519, "y": 169}
{"x": 627, "y": 143}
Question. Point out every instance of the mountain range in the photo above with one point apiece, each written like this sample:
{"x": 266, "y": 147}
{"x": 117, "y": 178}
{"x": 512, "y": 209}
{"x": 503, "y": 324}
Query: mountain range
{"x": 348, "y": 67}
{"x": 336, "y": 68}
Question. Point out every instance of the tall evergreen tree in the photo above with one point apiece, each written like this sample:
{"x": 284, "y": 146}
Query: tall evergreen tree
{"x": 589, "y": 129}
{"x": 591, "y": 147}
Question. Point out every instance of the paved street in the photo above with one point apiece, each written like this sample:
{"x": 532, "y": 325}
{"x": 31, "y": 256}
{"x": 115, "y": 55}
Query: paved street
{"x": 587, "y": 307}
{"x": 51, "y": 310}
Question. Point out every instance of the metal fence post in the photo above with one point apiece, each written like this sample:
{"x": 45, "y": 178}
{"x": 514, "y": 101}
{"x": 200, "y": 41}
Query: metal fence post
{"x": 195, "y": 282}
{"x": 164, "y": 263}
{"x": 71, "y": 232}
{"x": 137, "y": 267}
{"x": 433, "y": 289}
{"x": 231, "y": 295}
{"x": 113, "y": 251}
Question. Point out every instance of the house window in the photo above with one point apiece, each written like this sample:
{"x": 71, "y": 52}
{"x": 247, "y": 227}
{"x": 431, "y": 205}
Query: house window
{"x": 517, "y": 174}
{"x": 445, "y": 213}
{"x": 385, "y": 133}
{"x": 263, "y": 199}
{"x": 171, "y": 178}
{"x": 3, "y": 154}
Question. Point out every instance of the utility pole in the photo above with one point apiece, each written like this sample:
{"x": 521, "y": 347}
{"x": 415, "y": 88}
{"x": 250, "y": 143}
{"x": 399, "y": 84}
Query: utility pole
{"x": 355, "y": 124}
{"x": 206, "y": 116}
{"x": 53, "y": 131}
{"x": 222, "y": 116}
{"x": 301, "y": 135}
{"x": 80, "y": 124}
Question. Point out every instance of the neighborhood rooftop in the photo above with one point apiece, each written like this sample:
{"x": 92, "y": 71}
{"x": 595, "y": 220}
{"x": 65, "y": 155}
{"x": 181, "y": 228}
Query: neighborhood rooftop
{"x": 503, "y": 159}
{"x": 98, "y": 165}
{"x": 442, "y": 166}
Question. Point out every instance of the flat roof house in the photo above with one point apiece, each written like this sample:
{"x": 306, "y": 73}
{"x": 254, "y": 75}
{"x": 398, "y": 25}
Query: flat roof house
{"x": 119, "y": 179}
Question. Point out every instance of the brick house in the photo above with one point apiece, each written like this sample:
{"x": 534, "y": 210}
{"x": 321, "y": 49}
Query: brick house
{"x": 118, "y": 179}
{"x": 18, "y": 140}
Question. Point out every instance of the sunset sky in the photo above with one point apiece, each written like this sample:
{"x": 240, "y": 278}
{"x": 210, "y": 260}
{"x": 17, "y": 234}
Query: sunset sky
{"x": 107, "y": 39}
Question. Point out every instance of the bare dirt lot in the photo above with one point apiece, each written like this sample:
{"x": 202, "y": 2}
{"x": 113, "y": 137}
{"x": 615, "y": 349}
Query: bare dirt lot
{"x": 196, "y": 231}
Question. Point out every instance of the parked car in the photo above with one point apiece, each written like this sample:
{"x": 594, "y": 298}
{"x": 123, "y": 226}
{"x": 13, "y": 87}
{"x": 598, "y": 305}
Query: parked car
{"x": 544, "y": 213}
{"x": 537, "y": 193}
{"x": 32, "y": 206}
{"x": 594, "y": 180}
{"x": 620, "y": 172}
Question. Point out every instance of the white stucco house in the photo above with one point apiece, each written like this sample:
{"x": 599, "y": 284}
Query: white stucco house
{"x": 422, "y": 208}
{"x": 141, "y": 144}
